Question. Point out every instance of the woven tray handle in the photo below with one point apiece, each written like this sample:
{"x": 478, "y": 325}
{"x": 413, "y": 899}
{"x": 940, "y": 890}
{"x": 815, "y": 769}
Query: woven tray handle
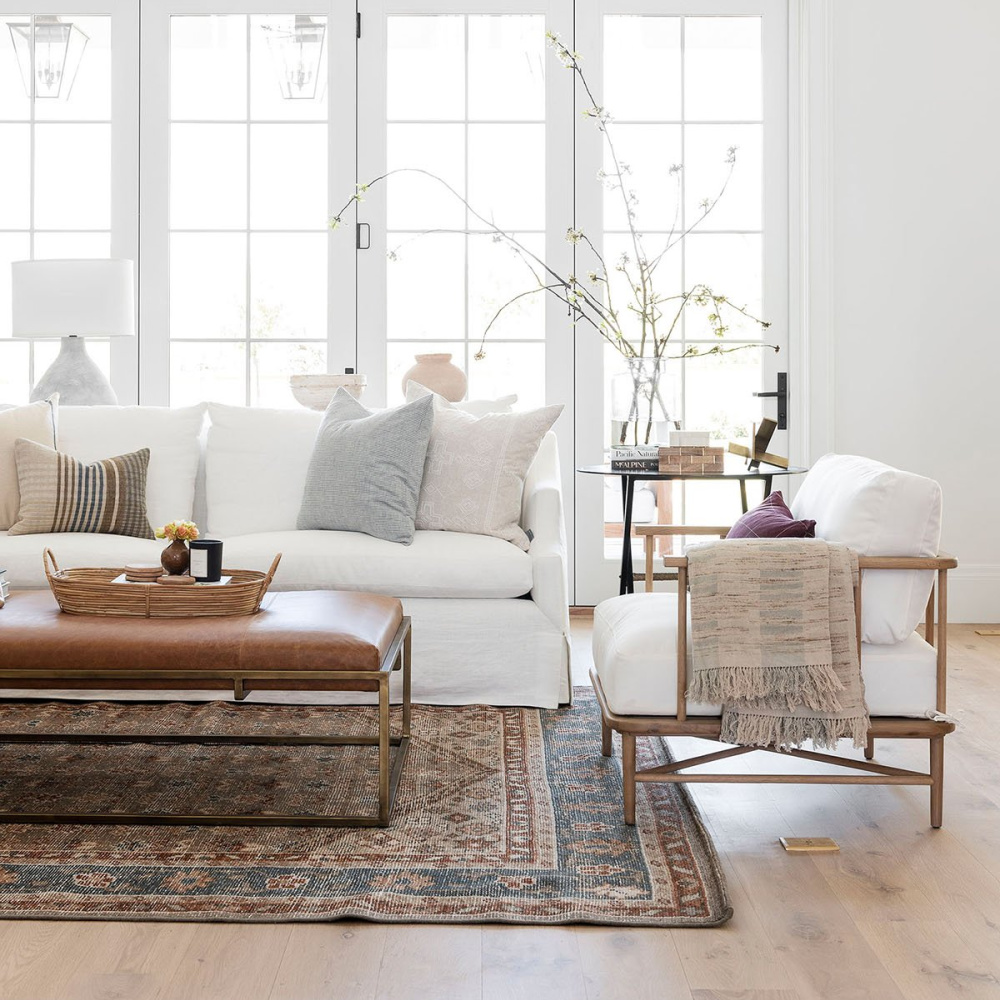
{"x": 48, "y": 558}
{"x": 266, "y": 582}
{"x": 271, "y": 571}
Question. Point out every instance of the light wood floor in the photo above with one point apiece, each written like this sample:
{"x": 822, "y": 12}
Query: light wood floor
{"x": 902, "y": 912}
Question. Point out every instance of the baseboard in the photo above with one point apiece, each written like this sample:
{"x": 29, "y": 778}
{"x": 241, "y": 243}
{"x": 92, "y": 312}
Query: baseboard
{"x": 974, "y": 593}
{"x": 581, "y": 612}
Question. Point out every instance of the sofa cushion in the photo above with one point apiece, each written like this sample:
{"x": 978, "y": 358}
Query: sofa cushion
{"x": 60, "y": 493}
{"x": 91, "y": 433}
{"x": 436, "y": 564}
{"x": 34, "y": 422}
{"x": 635, "y": 643}
{"x": 255, "y": 467}
{"x": 878, "y": 511}
{"x": 366, "y": 467}
{"x": 22, "y": 554}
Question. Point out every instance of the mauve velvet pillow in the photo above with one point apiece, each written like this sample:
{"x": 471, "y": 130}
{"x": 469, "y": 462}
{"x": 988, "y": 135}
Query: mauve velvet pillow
{"x": 771, "y": 519}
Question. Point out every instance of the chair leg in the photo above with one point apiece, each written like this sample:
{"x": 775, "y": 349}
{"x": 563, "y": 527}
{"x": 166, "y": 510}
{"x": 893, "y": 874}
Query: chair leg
{"x": 937, "y": 774}
{"x": 628, "y": 776}
{"x": 605, "y": 738}
{"x": 870, "y": 747}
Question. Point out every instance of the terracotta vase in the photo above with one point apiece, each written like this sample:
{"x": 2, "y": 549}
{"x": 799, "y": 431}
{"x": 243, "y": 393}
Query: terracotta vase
{"x": 436, "y": 372}
{"x": 175, "y": 558}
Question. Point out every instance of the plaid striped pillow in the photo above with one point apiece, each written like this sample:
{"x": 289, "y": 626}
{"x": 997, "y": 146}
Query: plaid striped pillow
{"x": 59, "y": 493}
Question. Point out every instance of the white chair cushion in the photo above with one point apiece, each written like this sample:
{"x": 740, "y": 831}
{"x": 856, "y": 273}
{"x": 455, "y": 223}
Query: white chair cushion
{"x": 255, "y": 467}
{"x": 635, "y": 655}
{"x": 436, "y": 564}
{"x": 91, "y": 433}
{"x": 877, "y": 511}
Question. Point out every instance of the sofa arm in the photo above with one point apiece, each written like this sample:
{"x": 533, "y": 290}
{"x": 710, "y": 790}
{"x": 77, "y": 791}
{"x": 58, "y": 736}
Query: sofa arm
{"x": 542, "y": 517}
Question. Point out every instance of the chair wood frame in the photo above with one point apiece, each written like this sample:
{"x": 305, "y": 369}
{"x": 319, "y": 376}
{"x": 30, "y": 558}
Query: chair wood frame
{"x": 865, "y": 771}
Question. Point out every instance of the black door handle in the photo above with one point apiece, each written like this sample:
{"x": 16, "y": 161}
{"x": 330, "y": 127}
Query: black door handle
{"x": 782, "y": 397}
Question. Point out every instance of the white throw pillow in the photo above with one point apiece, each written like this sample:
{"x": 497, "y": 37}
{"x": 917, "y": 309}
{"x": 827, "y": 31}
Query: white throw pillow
{"x": 877, "y": 511}
{"x": 92, "y": 433}
{"x": 475, "y": 469}
{"x": 255, "y": 467}
{"x": 34, "y": 422}
{"x": 477, "y": 407}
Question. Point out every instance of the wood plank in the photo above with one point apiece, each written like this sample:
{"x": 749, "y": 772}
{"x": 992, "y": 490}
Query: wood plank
{"x": 323, "y": 961}
{"x": 228, "y": 962}
{"x": 929, "y": 960}
{"x": 524, "y": 963}
{"x": 421, "y": 961}
{"x": 744, "y": 995}
{"x": 640, "y": 963}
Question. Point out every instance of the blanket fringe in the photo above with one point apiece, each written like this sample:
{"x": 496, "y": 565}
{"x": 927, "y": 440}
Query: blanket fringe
{"x": 788, "y": 732}
{"x": 814, "y": 686}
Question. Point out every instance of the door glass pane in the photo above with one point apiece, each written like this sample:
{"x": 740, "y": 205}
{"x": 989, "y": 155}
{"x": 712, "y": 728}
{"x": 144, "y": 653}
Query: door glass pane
{"x": 208, "y": 68}
{"x": 78, "y": 48}
{"x": 288, "y": 68}
{"x": 73, "y": 176}
{"x": 425, "y": 68}
{"x": 443, "y": 289}
{"x": 249, "y": 206}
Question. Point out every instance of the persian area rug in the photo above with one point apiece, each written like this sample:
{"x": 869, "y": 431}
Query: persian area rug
{"x": 502, "y": 814}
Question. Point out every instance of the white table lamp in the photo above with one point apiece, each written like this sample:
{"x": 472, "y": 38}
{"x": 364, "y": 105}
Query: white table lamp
{"x": 73, "y": 299}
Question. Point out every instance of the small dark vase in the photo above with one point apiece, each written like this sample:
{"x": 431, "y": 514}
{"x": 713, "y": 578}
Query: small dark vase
{"x": 175, "y": 558}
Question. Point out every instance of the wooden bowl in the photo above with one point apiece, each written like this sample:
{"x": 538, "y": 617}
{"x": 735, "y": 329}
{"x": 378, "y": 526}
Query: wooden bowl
{"x": 316, "y": 391}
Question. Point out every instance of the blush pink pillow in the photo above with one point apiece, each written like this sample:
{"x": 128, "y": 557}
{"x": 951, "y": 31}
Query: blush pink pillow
{"x": 771, "y": 519}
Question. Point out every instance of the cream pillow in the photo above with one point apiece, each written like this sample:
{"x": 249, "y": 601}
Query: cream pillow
{"x": 477, "y": 407}
{"x": 34, "y": 422}
{"x": 475, "y": 468}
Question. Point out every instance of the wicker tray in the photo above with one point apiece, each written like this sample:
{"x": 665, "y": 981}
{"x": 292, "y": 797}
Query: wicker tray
{"x": 89, "y": 591}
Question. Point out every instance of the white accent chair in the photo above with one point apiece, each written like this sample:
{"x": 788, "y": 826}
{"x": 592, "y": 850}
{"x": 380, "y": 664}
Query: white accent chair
{"x": 892, "y": 519}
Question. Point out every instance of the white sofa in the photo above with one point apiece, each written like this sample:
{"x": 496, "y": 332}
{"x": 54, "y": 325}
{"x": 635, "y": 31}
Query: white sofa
{"x": 490, "y": 621}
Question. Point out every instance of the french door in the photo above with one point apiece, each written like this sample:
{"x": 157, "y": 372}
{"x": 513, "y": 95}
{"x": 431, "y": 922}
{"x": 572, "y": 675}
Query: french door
{"x": 248, "y": 142}
{"x": 697, "y": 93}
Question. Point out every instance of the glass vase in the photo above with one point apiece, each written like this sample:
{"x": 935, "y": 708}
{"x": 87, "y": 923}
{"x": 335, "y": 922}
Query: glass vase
{"x": 643, "y": 403}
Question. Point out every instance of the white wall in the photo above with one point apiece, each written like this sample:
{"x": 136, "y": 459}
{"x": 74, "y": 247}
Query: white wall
{"x": 904, "y": 256}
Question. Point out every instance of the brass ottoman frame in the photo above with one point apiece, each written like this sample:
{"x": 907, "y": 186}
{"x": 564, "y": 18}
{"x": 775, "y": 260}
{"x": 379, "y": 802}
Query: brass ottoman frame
{"x": 397, "y": 657}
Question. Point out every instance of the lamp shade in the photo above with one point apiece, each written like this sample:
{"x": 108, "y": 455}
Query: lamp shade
{"x": 73, "y": 298}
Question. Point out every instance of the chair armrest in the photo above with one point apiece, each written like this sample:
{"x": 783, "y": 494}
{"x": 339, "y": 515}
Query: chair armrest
{"x": 648, "y": 533}
{"x": 942, "y": 561}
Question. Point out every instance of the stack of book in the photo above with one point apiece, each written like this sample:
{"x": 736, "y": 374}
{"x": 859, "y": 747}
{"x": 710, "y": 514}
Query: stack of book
{"x": 664, "y": 459}
{"x": 636, "y": 458}
{"x": 4, "y": 587}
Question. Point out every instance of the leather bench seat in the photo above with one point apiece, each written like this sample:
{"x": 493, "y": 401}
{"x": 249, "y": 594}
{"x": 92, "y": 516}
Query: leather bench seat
{"x": 293, "y": 631}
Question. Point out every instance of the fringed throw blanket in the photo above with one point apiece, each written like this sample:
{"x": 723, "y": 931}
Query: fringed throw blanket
{"x": 773, "y": 640}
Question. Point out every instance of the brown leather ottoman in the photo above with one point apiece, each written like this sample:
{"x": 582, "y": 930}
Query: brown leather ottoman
{"x": 300, "y": 640}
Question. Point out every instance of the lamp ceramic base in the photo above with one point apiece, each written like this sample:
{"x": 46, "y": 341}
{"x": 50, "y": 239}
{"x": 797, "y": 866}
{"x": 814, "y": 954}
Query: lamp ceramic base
{"x": 76, "y": 378}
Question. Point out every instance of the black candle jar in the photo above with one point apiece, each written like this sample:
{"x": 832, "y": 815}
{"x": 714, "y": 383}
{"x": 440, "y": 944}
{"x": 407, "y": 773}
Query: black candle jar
{"x": 206, "y": 560}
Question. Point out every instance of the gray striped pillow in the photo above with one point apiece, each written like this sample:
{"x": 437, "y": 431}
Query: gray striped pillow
{"x": 59, "y": 493}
